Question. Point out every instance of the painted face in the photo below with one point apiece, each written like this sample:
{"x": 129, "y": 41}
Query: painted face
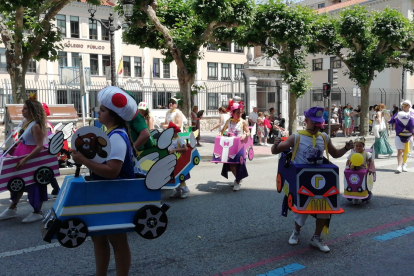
{"x": 103, "y": 115}
{"x": 25, "y": 112}
{"x": 359, "y": 147}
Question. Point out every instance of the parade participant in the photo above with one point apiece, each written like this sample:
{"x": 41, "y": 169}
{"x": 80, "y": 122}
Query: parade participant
{"x": 196, "y": 124}
{"x": 178, "y": 145}
{"x": 404, "y": 127}
{"x": 116, "y": 108}
{"x": 51, "y": 130}
{"x": 224, "y": 116}
{"x": 144, "y": 110}
{"x": 308, "y": 145}
{"x": 237, "y": 127}
{"x": 174, "y": 115}
{"x": 33, "y": 137}
{"x": 359, "y": 147}
{"x": 140, "y": 132}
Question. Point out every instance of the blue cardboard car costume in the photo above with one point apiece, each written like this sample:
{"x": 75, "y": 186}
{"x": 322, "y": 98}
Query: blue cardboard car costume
{"x": 89, "y": 206}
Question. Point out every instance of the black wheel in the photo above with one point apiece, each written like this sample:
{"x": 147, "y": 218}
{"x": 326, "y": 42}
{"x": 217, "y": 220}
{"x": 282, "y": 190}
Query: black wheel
{"x": 15, "y": 184}
{"x": 250, "y": 153}
{"x": 150, "y": 222}
{"x": 196, "y": 160}
{"x": 359, "y": 189}
{"x": 44, "y": 175}
{"x": 182, "y": 177}
{"x": 349, "y": 189}
{"x": 72, "y": 233}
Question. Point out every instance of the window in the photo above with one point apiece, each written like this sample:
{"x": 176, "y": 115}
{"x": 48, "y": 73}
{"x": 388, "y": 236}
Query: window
{"x": 75, "y": 60}
{"x": 31, "y": 67}
{"x": 212, "y": 71}
{"x": 268, "y": 62}
{"x": 93, "y": 29}
{"x": 105, "y": 32}
{"x": 212, "y": 101}
{"x": 335, "y": 62}
{"x": 271, "y": 97}
{"x": 225, "y": 71}
{"x": 238, "y": 73}
{"x": 106, "y": 61}
{"x": 156, "y": 68}
{"x": 61, "y": 23}
{"x": 317, "y": 64}
{"x": 238, "y": 49}
{"x": 166, "y": 70}
{"x": 63, "y": 59}
{"x": 212, "y": 47}
{"x": 94, "y": 65}
{"x": 161, "y": 99}
{"x": 137, "y": 66}
{"x": 74, "y": 26}
{"x": 226, "y": 47}
{"x": 127, "y": 66}
{"x": 317, "y": 95}
{"x": 321, "y": 5}
{"x": 3, "y": 62}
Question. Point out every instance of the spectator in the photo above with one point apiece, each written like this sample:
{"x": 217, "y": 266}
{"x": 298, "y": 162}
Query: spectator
{"x": 281, "y": 121}
{"x": 347, "y": 120}
{"x": 326, "y": 114}
{"x": 334, "y": 109}
{"x": 253, "y": 117}
{"x": 356, "y": 116}
{"x": 195, "y": 121}
{"x": 271, "y": 114}
{"x": 224, "y": 116}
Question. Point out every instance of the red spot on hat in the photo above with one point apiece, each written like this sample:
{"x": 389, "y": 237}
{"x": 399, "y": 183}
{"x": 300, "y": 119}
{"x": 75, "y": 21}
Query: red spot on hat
{"x": 119, "y": 100}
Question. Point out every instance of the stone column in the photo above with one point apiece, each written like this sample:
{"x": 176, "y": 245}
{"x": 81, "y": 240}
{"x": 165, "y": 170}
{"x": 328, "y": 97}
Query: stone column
{"x": 251, "y": 90}
{"x": 284, "y": 105}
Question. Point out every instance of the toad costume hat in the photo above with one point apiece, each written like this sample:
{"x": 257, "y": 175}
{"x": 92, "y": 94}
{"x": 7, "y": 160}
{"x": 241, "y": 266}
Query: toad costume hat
{"x": 119, "y": 101}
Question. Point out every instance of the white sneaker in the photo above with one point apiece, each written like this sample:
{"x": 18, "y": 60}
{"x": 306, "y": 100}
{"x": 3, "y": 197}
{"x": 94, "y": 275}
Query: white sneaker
{"x": 232, "y": 184}
{"x": 185, "y": 193}
{"x": 316, "y": 241}
{"x": 294, "y": 238}
{"x": 32, "y": 217}
{"x": 176, "y": 193}
{"x": 404, "y": 167}
{"x": 398, "y": 170}
{"x": 8, "y": 214}
{"x": 236, "y": 186}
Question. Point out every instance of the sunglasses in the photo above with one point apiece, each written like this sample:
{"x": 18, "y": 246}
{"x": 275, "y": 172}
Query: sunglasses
{"x": 173, "y": 102}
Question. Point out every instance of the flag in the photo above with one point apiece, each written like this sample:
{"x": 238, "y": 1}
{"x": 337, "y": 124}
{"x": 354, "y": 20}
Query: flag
{"x": 120, "y": 67}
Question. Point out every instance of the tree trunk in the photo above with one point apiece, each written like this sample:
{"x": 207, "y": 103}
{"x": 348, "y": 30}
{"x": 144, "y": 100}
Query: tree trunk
{"x": 18, "y": 83}
{"x": 185, "y": 82}
{"x": 364, "y": 118}
{"x": 292, "y": 113}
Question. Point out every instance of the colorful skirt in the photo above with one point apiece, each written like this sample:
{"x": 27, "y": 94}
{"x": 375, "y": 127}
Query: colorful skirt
{"x": 36, "y": 193}
{"x": 241, "y": 171}
{"x": 381, "y": 145}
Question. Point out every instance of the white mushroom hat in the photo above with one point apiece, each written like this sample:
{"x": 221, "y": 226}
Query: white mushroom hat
{"x": 117, "y": 100}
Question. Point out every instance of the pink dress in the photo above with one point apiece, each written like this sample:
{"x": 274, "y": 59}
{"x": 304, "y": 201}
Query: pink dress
{"x": 36, "y": 193}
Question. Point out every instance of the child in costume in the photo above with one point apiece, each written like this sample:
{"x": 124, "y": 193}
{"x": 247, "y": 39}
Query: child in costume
{"x": 178, "y": 145}
{"x": 116, "y": 108}
{"x": 359, "y": 147}
{"x": 236, "y": 126}
{"x": 404, "y": 128}
{"x": 308, "y": 147}
{"x": 33, "y": 137}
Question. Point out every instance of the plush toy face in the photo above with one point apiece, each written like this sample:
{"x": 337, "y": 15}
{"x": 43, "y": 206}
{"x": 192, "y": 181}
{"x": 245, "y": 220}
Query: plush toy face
{"x": 91, "y": 145}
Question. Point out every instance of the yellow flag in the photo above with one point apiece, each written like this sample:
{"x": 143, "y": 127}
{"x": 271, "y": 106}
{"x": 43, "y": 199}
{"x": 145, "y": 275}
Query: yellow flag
{"x": 120, "y": 67}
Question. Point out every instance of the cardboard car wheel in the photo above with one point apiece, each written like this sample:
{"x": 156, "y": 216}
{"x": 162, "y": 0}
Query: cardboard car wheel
{"x": 349, "y": 189}
{"x": 196, "y": 160}
{"x": 250, "y": 153}
{"x": 43, "y": 175}
{"x": 290, "y": 201}
{"x": 150, "y": 222}
{"x": 241, "y": 160}
{"x": 15, "y": 184}
{"x": 72, "y": 233}
{"x": 279, "y": 183}
{"x": 182, "y": 177}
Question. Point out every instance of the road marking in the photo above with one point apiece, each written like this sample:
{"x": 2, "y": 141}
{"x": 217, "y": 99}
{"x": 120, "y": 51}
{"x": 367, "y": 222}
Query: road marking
{"x": 395, "y": 234}
{"x": 31, "y": 249}
{"x": 306, "y": 249}
{"x": 281, "y": 271}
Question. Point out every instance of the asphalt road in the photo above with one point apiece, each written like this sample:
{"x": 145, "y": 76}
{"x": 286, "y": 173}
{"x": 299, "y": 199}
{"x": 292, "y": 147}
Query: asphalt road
{"x": 216, "y": 231}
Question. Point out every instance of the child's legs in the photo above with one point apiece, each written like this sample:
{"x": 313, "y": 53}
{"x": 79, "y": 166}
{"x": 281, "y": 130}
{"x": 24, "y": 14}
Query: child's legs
{"x": 320, "y": 223}
{"x": 15, "y": 197}
{"x": 102, "y": 254}
{"x": 122, "y": 253}
{"x": 233, "y": 169}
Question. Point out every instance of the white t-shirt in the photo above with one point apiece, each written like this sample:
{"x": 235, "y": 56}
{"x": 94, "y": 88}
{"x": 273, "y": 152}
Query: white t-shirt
{"x": 225, "y": 117}
{"x": 366, "y": 156}
{"x": 176, "y": 144}
{"x": 118, "y": 152}
{"x": 335, "y": 110}
{"x": 306, "y": 149}
{"x": 253, "y": 116}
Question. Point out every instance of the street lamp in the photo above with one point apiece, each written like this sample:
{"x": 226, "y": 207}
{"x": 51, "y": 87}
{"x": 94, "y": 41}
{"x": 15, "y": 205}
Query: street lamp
{"x": 128, "y": 6}
{"x": 403, "y": 60}
{"x": 111, "y": 28}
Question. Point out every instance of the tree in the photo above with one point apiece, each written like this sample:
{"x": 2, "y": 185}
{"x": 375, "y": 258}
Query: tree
{"x": 285, "y": 32}
{"x": 366, "y": 42}
{"x": 27, "y": 32}
{"x": 179, "y": 28}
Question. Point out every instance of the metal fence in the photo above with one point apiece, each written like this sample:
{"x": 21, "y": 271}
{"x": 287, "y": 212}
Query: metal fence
{"x": 210, "y": 96}
{"x": 344, "y": 95}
